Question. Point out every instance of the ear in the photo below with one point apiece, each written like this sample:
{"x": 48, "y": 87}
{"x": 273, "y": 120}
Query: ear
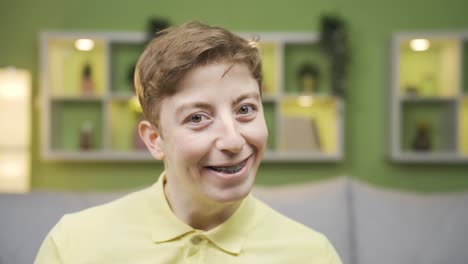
{"x": 152, "y": 139}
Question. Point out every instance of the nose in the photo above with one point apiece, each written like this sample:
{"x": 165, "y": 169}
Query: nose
{"x": 229, "y": 137}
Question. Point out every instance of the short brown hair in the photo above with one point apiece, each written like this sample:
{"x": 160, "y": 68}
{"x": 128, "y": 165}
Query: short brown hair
{"x": 177, "y": 50}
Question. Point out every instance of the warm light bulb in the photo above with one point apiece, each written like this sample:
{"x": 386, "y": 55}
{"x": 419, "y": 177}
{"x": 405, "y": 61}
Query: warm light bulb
{"x": 11, "y": 168}
{"x": 419, "y": 44}
{"x": 84, "y": 44}
{"x": 14, "y": 83}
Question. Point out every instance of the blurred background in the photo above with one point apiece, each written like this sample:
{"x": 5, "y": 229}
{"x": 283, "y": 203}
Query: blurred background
{"x": 376, "y": 91}
{"x": 361, "y": 131}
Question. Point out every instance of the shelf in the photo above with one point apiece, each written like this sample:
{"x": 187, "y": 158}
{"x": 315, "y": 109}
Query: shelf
{"x": 427, "y": 99}
{"x": 429, "y": 112}
{"x": 271, "y": 67}
{"x": 432, "y": 72}
{"x": 463, "y": 119}
{"x": 67, "y": 66}
{"x": 124, "y": 57}
{"x": 304, "y": 124}
{"x": 124, "y": 96}
{"x": 301, "y": 61}
{"x": 102, "y": 155}
{"x": 429, "y": 127}
{"x": 123, "y": 125}
{"x": 91, "y": 98}
{"x": 298, "y": 156}
{"x": 465, "y": 67}
{"x": 70, "y": 120}
{"x": 432, "y": 158}
{"x": 269, "y": 98}
{"x": 309, "y": 123}
{"x": 269, "y": 110}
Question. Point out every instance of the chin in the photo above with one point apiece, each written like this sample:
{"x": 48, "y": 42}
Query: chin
{"x": 235, "y": 193}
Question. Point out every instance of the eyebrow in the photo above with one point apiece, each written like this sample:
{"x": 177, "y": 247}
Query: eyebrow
{"x": 205, "y": 105}
{"x": 246, "y": 96}
{"x": 202, "y": 105}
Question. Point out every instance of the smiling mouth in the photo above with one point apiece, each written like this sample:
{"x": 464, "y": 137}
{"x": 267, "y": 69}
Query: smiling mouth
{"x": 229, "y": 169}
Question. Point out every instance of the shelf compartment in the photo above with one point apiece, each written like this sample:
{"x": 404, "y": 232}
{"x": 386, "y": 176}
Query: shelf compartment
{"x": 299, "y": 57}
{"x": 270, "y": 67}
{"x": 124, "y": 118}
{"x": 69, "y": 122}
{"x": 269, "y": 110}
{"x": 124, "y": 57}
{"x": 428, "y": 127}
{"x": 114, "y": 123}
{"x": 434, "y": 72}
{"x": 67, "y": 67}
{"x": 309, "y": 124}
{"x": 465, "y": 68}
{"x": 463, "y": 120}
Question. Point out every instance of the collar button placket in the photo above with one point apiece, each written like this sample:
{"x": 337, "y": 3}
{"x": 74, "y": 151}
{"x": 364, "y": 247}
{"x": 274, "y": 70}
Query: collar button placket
{"x": 194, "y": 248}
{"x": 197, "y": 239}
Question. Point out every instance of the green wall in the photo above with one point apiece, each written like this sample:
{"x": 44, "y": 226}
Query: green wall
{"x": 370, "y": 22}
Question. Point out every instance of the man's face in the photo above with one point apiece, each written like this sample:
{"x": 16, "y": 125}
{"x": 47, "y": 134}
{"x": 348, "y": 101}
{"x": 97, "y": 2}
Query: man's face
{"x": 213, "y": 133}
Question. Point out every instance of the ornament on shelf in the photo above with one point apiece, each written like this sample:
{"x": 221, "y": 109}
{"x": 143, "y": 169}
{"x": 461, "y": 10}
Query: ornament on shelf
{"x": 411, "y": 90}
{"x": 308, "y": 76}
{"x": 422, "y": 137}
{"x": 87, "y": 84}
{"x": 86, "y": 133}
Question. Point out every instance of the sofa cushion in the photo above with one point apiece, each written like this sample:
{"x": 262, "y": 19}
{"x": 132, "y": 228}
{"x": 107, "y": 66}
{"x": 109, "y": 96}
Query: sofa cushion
{"x": 394, "y": 226}
{"x": 27, "y": 218}
{"x": 318, "y": 205}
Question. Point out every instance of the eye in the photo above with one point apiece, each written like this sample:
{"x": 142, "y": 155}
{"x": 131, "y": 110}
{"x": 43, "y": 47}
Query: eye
{"x": 196, "y": 118}
{"x": 246, "y": 109}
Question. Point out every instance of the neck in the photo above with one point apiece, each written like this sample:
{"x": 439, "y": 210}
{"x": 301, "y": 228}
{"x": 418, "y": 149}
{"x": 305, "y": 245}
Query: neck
{"x": 199, "y": 213}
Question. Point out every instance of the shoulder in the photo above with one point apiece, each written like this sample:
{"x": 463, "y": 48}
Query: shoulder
{"x": 282, "y": 234}
{"x": 103, "y": 218}
{"x": 94, "y": 234}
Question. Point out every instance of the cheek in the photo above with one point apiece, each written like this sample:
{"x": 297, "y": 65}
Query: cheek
{"x": 191, "y": 146}
{"x": 257, "y": 133}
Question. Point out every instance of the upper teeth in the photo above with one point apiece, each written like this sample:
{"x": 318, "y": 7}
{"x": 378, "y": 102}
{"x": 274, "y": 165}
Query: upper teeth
{"x": 229, "y": 169}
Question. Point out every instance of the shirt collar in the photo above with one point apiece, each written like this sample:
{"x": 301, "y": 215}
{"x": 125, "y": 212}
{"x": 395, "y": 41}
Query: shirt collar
{"x": 229, "y": 236}
{"x": 168, "y": 226}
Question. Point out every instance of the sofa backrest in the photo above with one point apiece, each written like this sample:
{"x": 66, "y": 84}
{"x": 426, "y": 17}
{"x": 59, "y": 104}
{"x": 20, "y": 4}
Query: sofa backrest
{"x": 25, "y": 220}
{"x": 366, "y": 224}
{"x": 394, "y": 226}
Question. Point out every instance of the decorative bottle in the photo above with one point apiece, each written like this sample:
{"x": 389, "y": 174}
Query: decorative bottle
{"x": 87, "y": 85}
{"x": 86, "y": 134}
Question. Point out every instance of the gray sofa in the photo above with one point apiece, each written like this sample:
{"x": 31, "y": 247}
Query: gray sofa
{"x": 366, "y": 224}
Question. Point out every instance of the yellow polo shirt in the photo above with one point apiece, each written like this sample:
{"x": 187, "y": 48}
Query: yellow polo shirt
{"x": 141, "y": 228}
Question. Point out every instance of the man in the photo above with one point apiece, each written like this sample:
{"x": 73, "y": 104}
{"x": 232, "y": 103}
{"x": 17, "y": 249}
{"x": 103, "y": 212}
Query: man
{"x": 199, "y": 87}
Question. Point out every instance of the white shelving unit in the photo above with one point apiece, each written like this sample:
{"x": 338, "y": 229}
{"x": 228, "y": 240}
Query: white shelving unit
{"x": 296, "y": 119}
{"x": 429, "y": 97}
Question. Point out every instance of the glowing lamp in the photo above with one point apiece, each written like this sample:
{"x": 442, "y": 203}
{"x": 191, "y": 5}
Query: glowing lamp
{"x": 419, "y": 44}
{"x": 15, "y": 120}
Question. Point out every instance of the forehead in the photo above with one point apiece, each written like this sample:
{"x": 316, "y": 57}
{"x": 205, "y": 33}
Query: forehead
{"x": 210, "y": 86}
{"x": 216, "y": 79}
